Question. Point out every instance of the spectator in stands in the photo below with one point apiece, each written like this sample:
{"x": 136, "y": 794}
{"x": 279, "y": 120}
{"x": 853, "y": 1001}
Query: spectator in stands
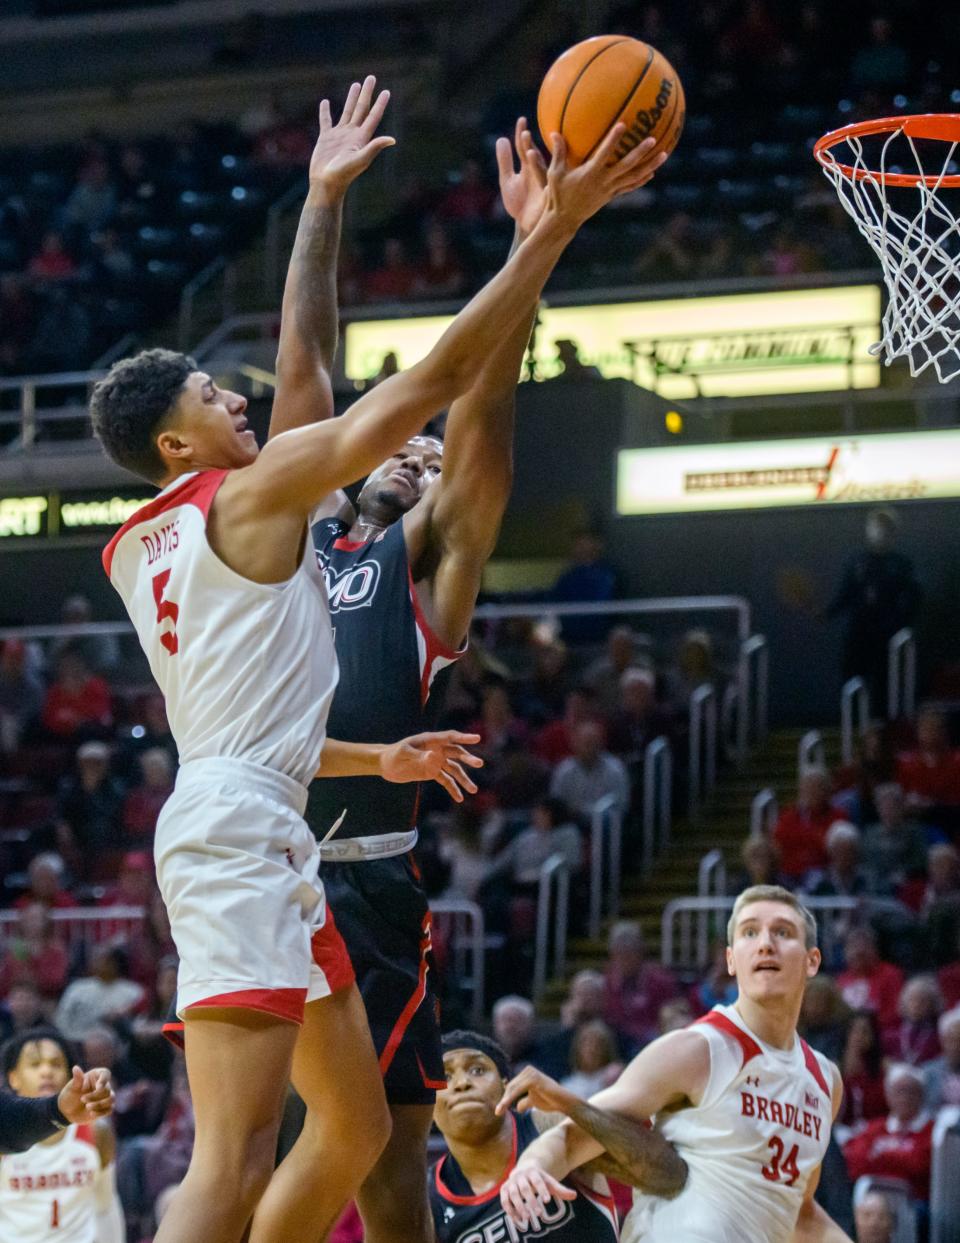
{"x": 551, "y": 832}
{"x": 393, "y": 280}
{"x": 148, "y": 1165}
{"x": 21, "y": 694}
{"x": 788, "y": 255}
{"x": 694, "y": 665}
{"x": 465, "y": 849}
{"x": 545, "y": 685}
{"x": 940, "y": 910}
{"x": 761, "y": 865}
{"x": 674, "y": 1016}
{"x": 469, "y": 200}
{"x": 881, "y": 63}
{"x": 586, "y": 1000}
{"x": 594, "y": 1059}
{"x": 554, "y": 742}
{"x": 670, "y": 255}
{"x": 861, "y": 1067}
{"x": 35, "y": 954}
{"x": 590, "y": 774}
{"x": 135, "y": 884}
{"x": 901, "y": 1144}
{"x": 145, "y": 801}
{"x": 589, "y": 578}
{"x": 801, "y": 830}
{"x": 52, "y": 262}
{"x": 152, "y": 729}
{"x": 844, "y": 876}
{"x": 930, "y": 775}
{"x": 571, "y": 365}
{"x": 868, "y": 983}
{"x": 856, "y": 783}
{"x": 942, "y": 1075}
{"x": 717, "y": 988}
{"x": 636, "y": 989}
{"x": 878, "y": 594}
{"x": 638, "y": 719}
{"x": 875, "y": 1219}
{"x": 21, "y": 1009}
{"x": 914, "y": 1038}
{"x": 895, "y": 847}
{"x": 45, "y": 874}
{"x": 498, "y": 725}
{"x": 152, "y": 943}
{"x": 78, "y": 703}
{"x": 92, "y": 203}
{"x": 824, "y": 1017}
{"x": 149, "y": 1050}
{"x": 104, "y": 995}
{"x": 139, "y": 1103}
{"x": 514, "y": 1021}
{"x": 100, "y": 651}
{"x": 88, "y": 807}
{"x": 137, "y": 187}
{"x": 623, "y": 652}
{"x": 113, "y": 262}
{"x": 440, "y": 274}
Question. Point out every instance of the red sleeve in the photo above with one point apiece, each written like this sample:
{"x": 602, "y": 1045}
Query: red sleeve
{"x": 98, "y": 700}
{"x": 58, "y": 717}
{"x": 857, "y": 1151}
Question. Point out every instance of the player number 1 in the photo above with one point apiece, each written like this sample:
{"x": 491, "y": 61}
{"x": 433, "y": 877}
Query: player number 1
{"x": 166, "y": 611}
{"x": 772, "y": 1172}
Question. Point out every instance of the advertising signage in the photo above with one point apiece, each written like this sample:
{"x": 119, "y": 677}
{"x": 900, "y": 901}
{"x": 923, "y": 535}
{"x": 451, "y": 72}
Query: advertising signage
{"x": 53, "y": 514}
{"x": 734, "y": 345}
{"x": 771, "y": 473}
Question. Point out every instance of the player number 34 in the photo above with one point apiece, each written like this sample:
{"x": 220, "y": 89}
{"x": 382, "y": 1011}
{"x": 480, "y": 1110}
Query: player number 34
{"x": 778, "y": 1169}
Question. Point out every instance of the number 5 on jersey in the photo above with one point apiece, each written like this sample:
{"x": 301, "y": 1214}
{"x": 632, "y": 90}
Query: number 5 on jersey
{"x": 166, "y": 611}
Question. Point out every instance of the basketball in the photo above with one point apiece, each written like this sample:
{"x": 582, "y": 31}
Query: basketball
{"x": 607, "y": 79}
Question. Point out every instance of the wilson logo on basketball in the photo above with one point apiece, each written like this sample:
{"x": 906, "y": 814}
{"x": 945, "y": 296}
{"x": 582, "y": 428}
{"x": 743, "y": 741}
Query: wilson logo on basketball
{"x": 353, "y": 588}
{"x": 645, "y": 121}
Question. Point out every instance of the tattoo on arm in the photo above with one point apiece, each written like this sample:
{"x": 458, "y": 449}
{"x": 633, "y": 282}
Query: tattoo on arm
{"x": 314, "y": 266}
{"x": 640, "y": 1156}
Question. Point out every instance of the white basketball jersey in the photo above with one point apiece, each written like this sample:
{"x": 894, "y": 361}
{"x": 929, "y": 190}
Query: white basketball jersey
{"x": 247, "y": 669}
{"x": 759, "y": 1132}
{"x": 47, "y": 1192}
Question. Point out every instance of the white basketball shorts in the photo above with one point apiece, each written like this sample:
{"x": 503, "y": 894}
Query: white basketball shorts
{"x": 238, "y": 870}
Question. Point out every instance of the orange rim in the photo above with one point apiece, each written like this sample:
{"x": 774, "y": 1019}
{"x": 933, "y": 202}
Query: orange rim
{"x": 942, "y": 126}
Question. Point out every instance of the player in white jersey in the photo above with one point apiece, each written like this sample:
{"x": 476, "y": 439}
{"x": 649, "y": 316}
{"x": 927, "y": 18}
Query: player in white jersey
{"x": 220, "y": 580}
{"x": 62, "y": 1190}
{"x": 745, "y": 1102}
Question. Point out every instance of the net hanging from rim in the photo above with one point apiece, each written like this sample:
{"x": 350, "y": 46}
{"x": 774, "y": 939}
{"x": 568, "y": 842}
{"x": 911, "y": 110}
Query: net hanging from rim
{"x": 898, "y": 193}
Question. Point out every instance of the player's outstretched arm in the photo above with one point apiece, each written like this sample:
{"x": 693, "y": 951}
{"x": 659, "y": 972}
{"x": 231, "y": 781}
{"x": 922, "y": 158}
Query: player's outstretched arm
{"x": 309, "y": 318}
{"x": 297, "y": 470}
{"x": 672, "y": 1069}
{"x": 442, "y": 757}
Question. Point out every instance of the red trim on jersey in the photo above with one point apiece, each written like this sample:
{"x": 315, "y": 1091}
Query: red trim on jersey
{"x": 435, "y": 646}
{"x": 342, "y": 544}
{"x": 814, "y": 1066}
{"x": 489, "y": 1195}
{"x": 284, "y": 1003}
{"x": 330, "y": 954}
{"x": 199, "y": 491}
{"x": 174, "y": 1033}
{"x": 435, "y": 1085}
{"x": 413, "y": 1005}
{"x": 748, "y": 1045}
{"x": 86, "y": 1134}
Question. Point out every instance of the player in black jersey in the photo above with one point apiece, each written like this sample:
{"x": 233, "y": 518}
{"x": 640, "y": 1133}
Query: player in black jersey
{"x": 403, "y": 575}
{"x": 464, "y": 1186}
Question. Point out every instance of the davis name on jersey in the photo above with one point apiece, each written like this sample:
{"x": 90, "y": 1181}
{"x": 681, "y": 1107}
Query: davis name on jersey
{"x": 751, "y": 1145}
{"x": 47, "y": 1193}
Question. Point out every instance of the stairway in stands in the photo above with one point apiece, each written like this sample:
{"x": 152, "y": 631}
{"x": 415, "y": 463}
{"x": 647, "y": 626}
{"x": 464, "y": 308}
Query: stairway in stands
{"x": 723, "y": 823}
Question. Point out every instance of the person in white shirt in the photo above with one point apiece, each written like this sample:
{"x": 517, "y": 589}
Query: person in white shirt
{"x": 104, "y": 994}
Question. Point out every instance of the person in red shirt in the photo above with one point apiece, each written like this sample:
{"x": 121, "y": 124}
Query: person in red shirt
{"x": 868, "y": 983}
{"x": 36, "y": 954}
{"x": 470, "y": 199}
{"x": 801, "y": 830}
{"x": 441, "y": 275}
{"x": 901, "y": 1144}
{"x": 45, "y": 874}
{"x": 78, "y": 702}
{"x": 636, "y": 989}
{"x": 554, "y": 742}
{"x": 144, "y": 802}
{"x": 395, "y": 278}
{"x": 862, "y": 1068}
{"x": 914, "y": 1039}
{"x": 52, "y": 261}
{"x": 930, "y": 775}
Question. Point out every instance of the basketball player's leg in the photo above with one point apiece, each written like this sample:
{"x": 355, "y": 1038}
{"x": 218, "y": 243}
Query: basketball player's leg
{"x": 393, "y": 1200}
{"x": 238, "y": 1065}
{"x": 347, "y": 1124}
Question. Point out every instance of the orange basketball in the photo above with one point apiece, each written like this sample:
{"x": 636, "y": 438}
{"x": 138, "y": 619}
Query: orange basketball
{"x": 607, "y": 79}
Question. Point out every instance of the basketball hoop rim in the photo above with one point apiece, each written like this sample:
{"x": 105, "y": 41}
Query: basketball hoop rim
{"x": 942, "y": 126}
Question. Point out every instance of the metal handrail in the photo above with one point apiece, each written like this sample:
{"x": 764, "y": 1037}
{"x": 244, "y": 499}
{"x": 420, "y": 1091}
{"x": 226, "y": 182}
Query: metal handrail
{"x": 554, "y": 874}
{"x": 810, "y": 751}
{"x": 657, "y": 799}
{"x": 687, "y": 923}
{"x": 604, "y": 608}
{"x": 764, "y": 812}
{"x": 606, "y": 844}
{"x": 188, "y": 297}
{"x": 703, "y": 758}
{"x": 854, "y": 701}
{"x": 467, "y": 941}
{"x": 82, "y": 924}
{"x": 753, "y": 649}
{"x": 712, "y": 875}
{"x": 901, "y": 690}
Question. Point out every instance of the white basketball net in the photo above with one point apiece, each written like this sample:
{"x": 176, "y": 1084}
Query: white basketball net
{"x": 920, "y": 253}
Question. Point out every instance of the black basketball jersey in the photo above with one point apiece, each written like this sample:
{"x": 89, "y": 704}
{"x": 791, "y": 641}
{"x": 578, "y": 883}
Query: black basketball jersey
{"x": 462, "y": 1217}
{"x": 391, "y": 667}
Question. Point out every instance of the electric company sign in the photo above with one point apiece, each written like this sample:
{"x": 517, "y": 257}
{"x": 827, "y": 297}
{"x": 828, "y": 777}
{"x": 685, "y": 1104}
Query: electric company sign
{"x": 767, "y": 474}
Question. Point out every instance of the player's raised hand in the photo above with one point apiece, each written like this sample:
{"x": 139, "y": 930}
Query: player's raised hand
{"x": 523, "y": 190}
{"x": 532, "y": 1089}
{"x": 576, "y": 194}
{"x": 528, "y": 1190}
{"x": 347, "y": 149}
{"x": 87, "y": 1095}
{"x": 436, "y": 757}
